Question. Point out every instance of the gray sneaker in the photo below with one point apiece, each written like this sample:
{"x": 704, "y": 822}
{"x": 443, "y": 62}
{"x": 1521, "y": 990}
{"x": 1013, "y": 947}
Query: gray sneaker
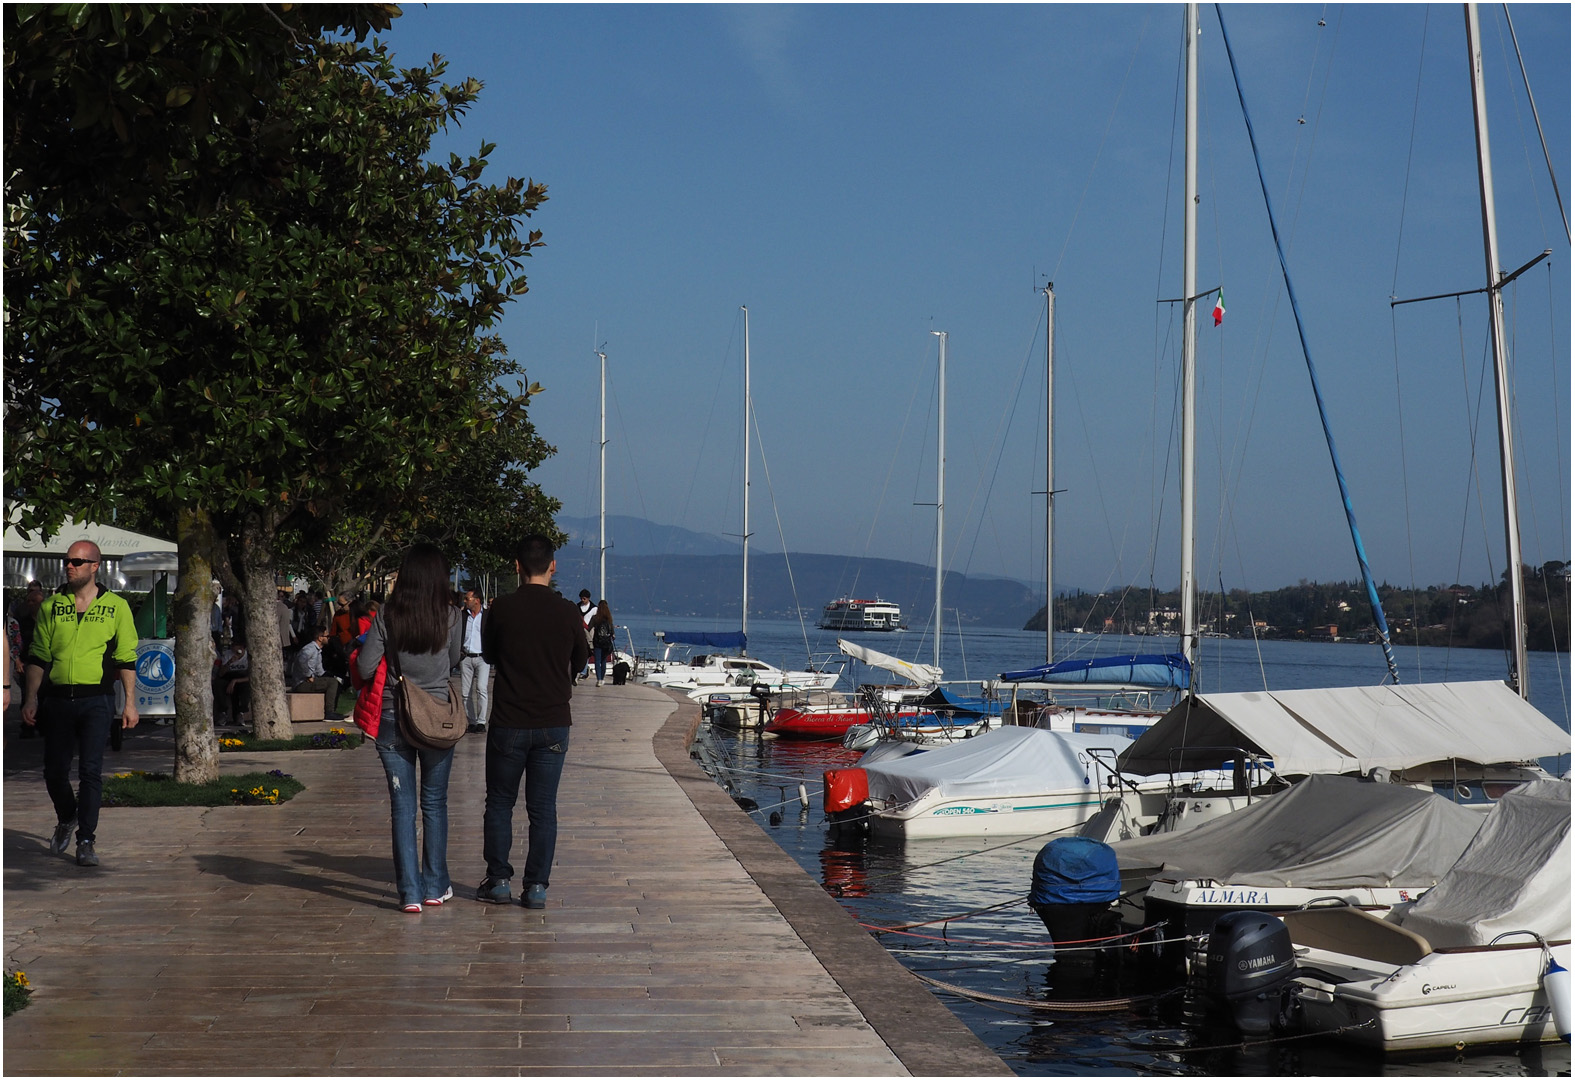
{"x": 86, "y": 856}
{"x": 535, "y": 895}
{"x": 494, "y": 891}
{"x": 62, "y": 838}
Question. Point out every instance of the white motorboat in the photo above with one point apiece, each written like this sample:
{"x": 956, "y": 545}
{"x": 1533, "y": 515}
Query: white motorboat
{"x": 700, "y": 675}
{"x": 1361, "y": 843}
{"x": 1468, "y": 963}
{"x": 1010, "y": 781}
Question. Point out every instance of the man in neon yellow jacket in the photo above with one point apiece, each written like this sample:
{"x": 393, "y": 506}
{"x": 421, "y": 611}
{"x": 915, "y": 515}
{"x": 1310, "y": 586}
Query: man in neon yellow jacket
{"x": 84, "y": 641}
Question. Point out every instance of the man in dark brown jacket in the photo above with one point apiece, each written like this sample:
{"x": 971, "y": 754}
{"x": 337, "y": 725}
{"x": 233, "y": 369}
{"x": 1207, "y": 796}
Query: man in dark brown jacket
{"x": 535, "y": 642}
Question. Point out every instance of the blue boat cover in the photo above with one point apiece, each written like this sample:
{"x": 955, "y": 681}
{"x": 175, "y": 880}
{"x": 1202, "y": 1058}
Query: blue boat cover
{"x": 1167, "y": 671}
{"x": 1075, "y": 870}
{"x": 943, "y": 700}
{"x": 720, "y": 640}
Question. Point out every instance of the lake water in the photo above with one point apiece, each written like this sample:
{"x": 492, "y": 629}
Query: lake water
{"x": 991, "y": 944}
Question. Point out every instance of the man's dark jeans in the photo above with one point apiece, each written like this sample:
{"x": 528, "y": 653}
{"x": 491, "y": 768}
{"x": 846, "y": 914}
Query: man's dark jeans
{"x": 536, "y": 755}
{"x": 65, "y": 722}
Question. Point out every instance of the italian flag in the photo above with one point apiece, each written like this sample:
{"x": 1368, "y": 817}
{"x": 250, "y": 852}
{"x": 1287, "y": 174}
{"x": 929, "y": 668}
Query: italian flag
{"x": 1219, "y": 308}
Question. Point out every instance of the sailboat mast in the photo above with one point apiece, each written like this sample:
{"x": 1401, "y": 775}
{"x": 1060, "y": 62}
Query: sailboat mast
{"x": 1500, "y": 353}
{"x": 940, "y": 493}
{"x": 744, "y": 621}
{"x": 1189, "y": 327}
{"x": 1050, "y": 472}
{"x": 603, "y": 449}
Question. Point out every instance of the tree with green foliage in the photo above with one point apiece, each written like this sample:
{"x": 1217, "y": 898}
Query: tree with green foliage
{"x": 287, "y": 314}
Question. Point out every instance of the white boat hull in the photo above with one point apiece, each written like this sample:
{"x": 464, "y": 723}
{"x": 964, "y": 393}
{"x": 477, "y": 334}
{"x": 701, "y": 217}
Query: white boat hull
{"x": 1021, "y": 815}
{"x": 1448, "y": 999}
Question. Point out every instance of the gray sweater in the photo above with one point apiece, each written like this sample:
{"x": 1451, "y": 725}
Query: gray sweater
{"x": 426, "y": 670}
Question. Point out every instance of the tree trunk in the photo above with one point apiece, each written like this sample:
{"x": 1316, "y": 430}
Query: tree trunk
{"x": 196, "y": 748}
{"x": 270, "y": 707}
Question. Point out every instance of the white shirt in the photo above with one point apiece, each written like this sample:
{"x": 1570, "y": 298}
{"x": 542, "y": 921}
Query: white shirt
{"x": 473, "y": 633}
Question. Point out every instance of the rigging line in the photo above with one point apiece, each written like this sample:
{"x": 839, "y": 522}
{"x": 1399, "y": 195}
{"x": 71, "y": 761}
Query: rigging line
{"x": 1552, "y": 175}
{"x": 1474, "y": 423}
{"x": 1350, "y": 511}
{"x": 781, "y": 536}
{"x": 1094, "y": 165}
{"x": 1405, "y": 495}
{"x": 1002, "y": 429}
{"x": 891, "y": 468}
{"x": 1410, "y": 153}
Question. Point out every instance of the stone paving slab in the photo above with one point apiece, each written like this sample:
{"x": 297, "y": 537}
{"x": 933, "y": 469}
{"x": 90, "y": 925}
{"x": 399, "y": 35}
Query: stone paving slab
{"x": 678, "y": 939}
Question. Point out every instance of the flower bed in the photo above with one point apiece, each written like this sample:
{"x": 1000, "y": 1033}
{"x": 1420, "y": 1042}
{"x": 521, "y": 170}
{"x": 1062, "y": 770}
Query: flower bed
{"x": 136, "y": 788}
{"x": 332, "y": 739}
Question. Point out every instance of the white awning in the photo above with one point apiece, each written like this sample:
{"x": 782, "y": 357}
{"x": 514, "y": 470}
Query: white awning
{"x": 1354, "y": 728}
{"x": 919, "y": 674}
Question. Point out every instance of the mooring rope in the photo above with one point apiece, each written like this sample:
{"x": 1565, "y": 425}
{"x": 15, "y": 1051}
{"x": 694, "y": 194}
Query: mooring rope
{"x": 1105, "y": 1005}
{"x": 1248, "y": 1043}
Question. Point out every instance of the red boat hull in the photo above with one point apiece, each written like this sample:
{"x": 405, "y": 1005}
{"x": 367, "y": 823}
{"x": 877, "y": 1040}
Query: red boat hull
{"x": 831, "y": 724}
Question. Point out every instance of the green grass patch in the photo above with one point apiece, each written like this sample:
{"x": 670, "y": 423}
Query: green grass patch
{"x": 160, "y": 789}
{"x": 332, "y": 739}
{"x": 17, "y": 990}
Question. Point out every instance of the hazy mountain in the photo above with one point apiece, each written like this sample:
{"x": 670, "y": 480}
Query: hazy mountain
{"x": 664, "y": 570}
{"x": 632, "y": 536}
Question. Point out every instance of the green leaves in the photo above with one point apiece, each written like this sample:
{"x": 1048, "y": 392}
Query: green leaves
{"x": 234, "y": 276}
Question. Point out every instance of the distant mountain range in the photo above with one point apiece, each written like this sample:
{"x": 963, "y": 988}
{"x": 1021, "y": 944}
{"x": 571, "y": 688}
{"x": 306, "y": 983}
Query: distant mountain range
{"x": 665, "y": 570}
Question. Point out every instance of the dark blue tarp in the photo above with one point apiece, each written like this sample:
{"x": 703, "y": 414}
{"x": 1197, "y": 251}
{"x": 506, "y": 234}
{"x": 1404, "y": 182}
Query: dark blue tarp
{"x": 1075, "y": 870}
{"x": 1168, "y": 671}
{"x": 943, "y": 700}
{"x": 724, "y": 640}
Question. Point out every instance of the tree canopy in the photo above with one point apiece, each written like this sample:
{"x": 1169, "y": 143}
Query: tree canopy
{"x": 238, "y": 291}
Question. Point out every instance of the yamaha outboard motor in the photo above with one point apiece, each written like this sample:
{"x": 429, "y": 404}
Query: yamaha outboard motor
{"x": 1251, "y": 963}
{"x": 1075, "y": 881}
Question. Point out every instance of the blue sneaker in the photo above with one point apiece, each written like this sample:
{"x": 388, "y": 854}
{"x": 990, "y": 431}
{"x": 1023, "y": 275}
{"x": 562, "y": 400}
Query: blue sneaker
{"x": 494, "y": 891}
{"x": 535, "y": 895}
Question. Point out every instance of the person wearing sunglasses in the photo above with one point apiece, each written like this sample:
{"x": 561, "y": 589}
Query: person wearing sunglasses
{"x": 85, "y": 640}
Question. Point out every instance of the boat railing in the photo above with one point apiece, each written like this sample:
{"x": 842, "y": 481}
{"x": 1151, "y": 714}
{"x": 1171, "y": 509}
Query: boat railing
{"x": 1248, "y": 770}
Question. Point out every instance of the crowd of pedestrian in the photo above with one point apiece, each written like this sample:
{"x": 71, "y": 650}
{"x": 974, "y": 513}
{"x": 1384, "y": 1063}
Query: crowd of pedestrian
{"x": 513, "y": 662}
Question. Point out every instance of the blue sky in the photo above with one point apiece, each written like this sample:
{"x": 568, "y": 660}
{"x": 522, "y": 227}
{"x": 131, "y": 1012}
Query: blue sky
{"x": 862, "y": 175}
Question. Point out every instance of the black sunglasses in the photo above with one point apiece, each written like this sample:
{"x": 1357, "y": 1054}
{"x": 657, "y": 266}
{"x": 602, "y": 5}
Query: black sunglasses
{"x": 79, "y": 562}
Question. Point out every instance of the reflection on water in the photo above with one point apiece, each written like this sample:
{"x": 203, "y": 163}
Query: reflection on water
{"x": 957, "y": 914}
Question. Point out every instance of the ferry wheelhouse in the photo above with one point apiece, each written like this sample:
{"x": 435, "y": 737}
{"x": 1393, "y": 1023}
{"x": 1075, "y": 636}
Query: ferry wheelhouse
{"x": 849, "y": 614}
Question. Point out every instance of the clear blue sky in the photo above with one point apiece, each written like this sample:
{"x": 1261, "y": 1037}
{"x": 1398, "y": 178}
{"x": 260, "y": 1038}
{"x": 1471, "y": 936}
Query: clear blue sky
{"x": 862, "y": 175}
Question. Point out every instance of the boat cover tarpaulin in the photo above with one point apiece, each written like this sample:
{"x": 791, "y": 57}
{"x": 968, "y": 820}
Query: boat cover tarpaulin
{"x": 1353, "y": 728}
{"x": 728, "y": 640}
{"x": 1152, "y": 671}
{"x": 1075, "y": 870}
{"x": 1514, "y": 876}
{"x": 1324, "y": 832}
{"x": 942, "y": 700}
{"x": 918, "y": 674}
{"x": 1005, "y": 762}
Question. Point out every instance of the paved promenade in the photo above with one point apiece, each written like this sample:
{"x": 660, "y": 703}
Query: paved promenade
{"x": 678, "y": 939}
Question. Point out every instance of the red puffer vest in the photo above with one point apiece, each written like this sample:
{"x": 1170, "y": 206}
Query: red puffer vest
{"x": 368, "y": 695}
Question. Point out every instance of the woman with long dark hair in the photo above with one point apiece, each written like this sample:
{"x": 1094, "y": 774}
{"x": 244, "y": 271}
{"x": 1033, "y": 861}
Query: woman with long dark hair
{"x": 421, "y": 627}
{"x": 603, "y": 638}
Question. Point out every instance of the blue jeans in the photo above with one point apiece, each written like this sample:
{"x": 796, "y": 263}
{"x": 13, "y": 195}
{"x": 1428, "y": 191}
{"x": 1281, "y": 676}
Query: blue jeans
{"x": 400, "y": 758}
{"x": 602, "y": 657}
{"x": 66, "y": 722}
{"x": 536, "y": 754}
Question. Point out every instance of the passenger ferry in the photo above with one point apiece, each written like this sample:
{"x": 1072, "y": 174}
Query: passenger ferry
{"x": 846, "y": 614}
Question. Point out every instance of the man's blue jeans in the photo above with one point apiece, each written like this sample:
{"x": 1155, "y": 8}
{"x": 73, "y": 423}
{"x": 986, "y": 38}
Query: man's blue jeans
{"x": 536, "y": 755}
{"x": 66, "y": 722}
{"x": 428, "y": 879}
